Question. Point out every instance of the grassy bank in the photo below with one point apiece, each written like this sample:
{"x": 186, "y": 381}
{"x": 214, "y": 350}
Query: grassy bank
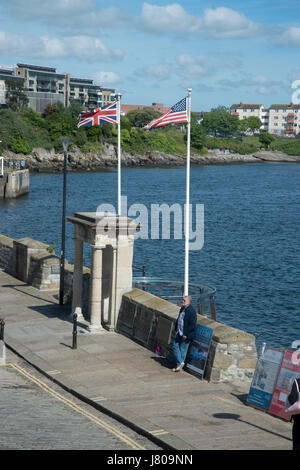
{"x": 24, "y": 130}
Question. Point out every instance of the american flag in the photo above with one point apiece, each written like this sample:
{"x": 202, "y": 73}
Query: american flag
{"x": 97, "y": 116}
{"x": 178, "y": 113}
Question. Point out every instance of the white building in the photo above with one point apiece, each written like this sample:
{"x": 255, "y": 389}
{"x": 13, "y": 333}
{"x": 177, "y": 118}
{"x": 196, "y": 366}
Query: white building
{"x": 280, "y": 119}
{"x": 244, "y": 111}
{"x": 284, "y": 119}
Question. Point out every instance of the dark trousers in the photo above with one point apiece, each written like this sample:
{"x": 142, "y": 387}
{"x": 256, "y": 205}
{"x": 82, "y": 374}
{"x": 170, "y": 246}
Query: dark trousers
{"x": 296, "y": 432}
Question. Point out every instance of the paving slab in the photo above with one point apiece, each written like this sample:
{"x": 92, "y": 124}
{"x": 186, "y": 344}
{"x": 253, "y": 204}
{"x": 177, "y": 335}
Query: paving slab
{"x": 131, "y": 383}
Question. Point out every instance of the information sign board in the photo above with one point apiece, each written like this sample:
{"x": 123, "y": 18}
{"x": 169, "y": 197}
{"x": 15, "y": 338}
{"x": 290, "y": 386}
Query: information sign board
{"x": 289, "y": 371}
{"x": 198, "y": 351}
{"x": 265, "y": 376}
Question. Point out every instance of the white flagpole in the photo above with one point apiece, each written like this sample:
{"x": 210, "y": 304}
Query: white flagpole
{"x": 119, "y": 152}
{"x": 187, "y": 201}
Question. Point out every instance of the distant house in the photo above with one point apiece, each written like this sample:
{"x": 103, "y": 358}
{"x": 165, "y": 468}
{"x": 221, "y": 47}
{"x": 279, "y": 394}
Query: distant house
{"x": 279, "y": 119}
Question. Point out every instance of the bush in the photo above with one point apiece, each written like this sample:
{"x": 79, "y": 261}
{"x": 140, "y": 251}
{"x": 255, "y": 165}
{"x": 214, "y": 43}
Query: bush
{"x": 288, "y": 146}
{"x": 233, "y": 145}
{"x": 20, "y": 145}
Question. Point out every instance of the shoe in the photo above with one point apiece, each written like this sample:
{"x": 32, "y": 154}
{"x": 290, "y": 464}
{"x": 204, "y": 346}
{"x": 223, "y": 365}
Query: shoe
{"x": 177, "y": 369}
{"x": 182, "y": 365}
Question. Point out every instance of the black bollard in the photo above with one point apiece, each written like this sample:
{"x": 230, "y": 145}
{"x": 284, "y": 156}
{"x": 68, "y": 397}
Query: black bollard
{"x": 2, "y": 323}
{"x": 74, "y": 345}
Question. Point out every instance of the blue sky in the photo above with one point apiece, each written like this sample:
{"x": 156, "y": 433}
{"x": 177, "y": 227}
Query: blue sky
{"x": 152, "y": 51}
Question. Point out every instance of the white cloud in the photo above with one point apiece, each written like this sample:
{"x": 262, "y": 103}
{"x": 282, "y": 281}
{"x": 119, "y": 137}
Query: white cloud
{"x": 77, "y": 15}
{"x": 36, "y": 9}
{"x": 191, "y": 67}
{"x": 106, "y": 78}
{"x": 218, "y": 23}
{"x": 259, "y": 84}
{"x": 43, "y": 47}
{"x": 156, "y": 71}
{"x": 289, "y": 37}
{"x": 198, "y": 67}
{"x": 227, "y": 23}
{"x": 159, "y": 19}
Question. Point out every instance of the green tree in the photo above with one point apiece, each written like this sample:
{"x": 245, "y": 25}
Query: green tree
{"x": 15, "y": 96}
{"x": 219, "y": 120}
{"x": 198, "y": 135}
{"x": 32, "y": 118}
{"x": 254, "y": 123}
{"x": 265, "y": 138}
{"x": 74, "y": 109}
{"x": 141, "y": 117}
{"x": 243, "y": 125}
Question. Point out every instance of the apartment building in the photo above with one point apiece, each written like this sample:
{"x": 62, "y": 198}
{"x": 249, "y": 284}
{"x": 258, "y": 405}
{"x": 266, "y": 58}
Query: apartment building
{"x": 280, "y": 119}
{"x": 44, "y": 85}
{"x": 6, "y": 74}
{"x": 243, "y": 111}
{"x": 284, "y": 119}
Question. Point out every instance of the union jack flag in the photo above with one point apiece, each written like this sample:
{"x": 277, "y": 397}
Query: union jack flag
{"x": 97, "y": 116}
{"x": 178, "y": 113}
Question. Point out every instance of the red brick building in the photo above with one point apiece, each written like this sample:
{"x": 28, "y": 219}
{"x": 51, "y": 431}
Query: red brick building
{"x": 125, "y": 108}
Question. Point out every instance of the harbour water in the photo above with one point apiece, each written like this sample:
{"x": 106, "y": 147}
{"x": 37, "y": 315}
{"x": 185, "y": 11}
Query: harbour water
{"x": 251, "y": 242}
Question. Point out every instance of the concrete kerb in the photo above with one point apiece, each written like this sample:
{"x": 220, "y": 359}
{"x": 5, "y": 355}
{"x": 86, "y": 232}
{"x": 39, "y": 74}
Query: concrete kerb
{"x": 140, "y": 425}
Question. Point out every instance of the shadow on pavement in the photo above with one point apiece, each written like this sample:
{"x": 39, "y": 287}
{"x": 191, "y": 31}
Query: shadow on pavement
{"x": 237, "y": 418}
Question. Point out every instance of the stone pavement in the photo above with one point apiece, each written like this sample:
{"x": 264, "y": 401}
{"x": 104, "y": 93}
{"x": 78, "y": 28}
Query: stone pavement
{"x": 132, "y": 384}
{"x": 36, "y": 414}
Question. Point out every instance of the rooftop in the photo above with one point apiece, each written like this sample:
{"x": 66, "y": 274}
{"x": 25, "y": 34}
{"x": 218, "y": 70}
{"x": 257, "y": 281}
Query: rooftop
{"x": 243, "y": 105}
{"x": 37, "y": 67}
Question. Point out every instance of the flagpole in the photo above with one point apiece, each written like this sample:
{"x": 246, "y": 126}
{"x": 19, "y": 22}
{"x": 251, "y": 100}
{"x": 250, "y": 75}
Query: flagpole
{"x": 119, "y": 153}
{"x": 187, "y": 201}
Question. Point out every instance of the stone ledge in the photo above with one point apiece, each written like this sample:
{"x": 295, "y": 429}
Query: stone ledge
{"x": 6, "y": 241}
{"x": 232, "y": 356}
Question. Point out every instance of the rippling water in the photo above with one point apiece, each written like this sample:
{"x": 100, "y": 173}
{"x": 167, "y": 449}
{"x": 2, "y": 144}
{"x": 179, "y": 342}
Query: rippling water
{"x": 251, "y": 248}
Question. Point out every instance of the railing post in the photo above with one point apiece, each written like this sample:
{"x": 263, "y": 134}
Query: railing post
{"x": 144, "y": 274}
{"x": 213, "y": 308}
{"x": 74, "y": 344}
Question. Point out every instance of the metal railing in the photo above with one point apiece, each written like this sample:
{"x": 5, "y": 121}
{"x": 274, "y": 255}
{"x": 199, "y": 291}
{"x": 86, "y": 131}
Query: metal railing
{"x": 173, "y": 292}
{"x": 15, "y": 164}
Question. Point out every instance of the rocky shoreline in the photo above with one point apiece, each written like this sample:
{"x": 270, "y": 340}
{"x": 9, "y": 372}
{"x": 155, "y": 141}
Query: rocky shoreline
{"x": 41, "y": 160}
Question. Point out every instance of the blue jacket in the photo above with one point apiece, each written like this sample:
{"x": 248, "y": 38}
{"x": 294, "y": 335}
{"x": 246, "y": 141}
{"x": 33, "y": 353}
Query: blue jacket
{"x": 189, "y": 322}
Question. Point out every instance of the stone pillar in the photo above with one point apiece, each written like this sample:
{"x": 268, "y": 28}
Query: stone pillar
{"x": 77, "y": 279}
{"x": 112, "y": 304}
{"x": 96, "y": 290}
{"x": 123, "y": 270}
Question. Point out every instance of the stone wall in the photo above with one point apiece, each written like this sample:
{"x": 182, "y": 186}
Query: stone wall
{"x": 6, "y": 253}
{"x": 30, "y": 261}
{"x": 14, "y": 184}
{"x": 150, "y": 320}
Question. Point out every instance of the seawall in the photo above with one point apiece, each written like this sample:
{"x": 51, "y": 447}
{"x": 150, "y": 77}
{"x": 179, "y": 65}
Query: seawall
{"x": 14, "y": 184}
{"x": 143, "y": 317}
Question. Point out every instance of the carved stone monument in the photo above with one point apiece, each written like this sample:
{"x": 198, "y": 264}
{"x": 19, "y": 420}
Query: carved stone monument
{"x": 111, "y": 238}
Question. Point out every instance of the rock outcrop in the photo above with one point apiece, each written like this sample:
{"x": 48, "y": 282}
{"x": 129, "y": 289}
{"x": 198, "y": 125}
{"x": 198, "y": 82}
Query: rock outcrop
{"x": 41, "y": 160}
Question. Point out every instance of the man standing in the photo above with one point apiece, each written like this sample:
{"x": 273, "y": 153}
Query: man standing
{"x": 185, "y": 328}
